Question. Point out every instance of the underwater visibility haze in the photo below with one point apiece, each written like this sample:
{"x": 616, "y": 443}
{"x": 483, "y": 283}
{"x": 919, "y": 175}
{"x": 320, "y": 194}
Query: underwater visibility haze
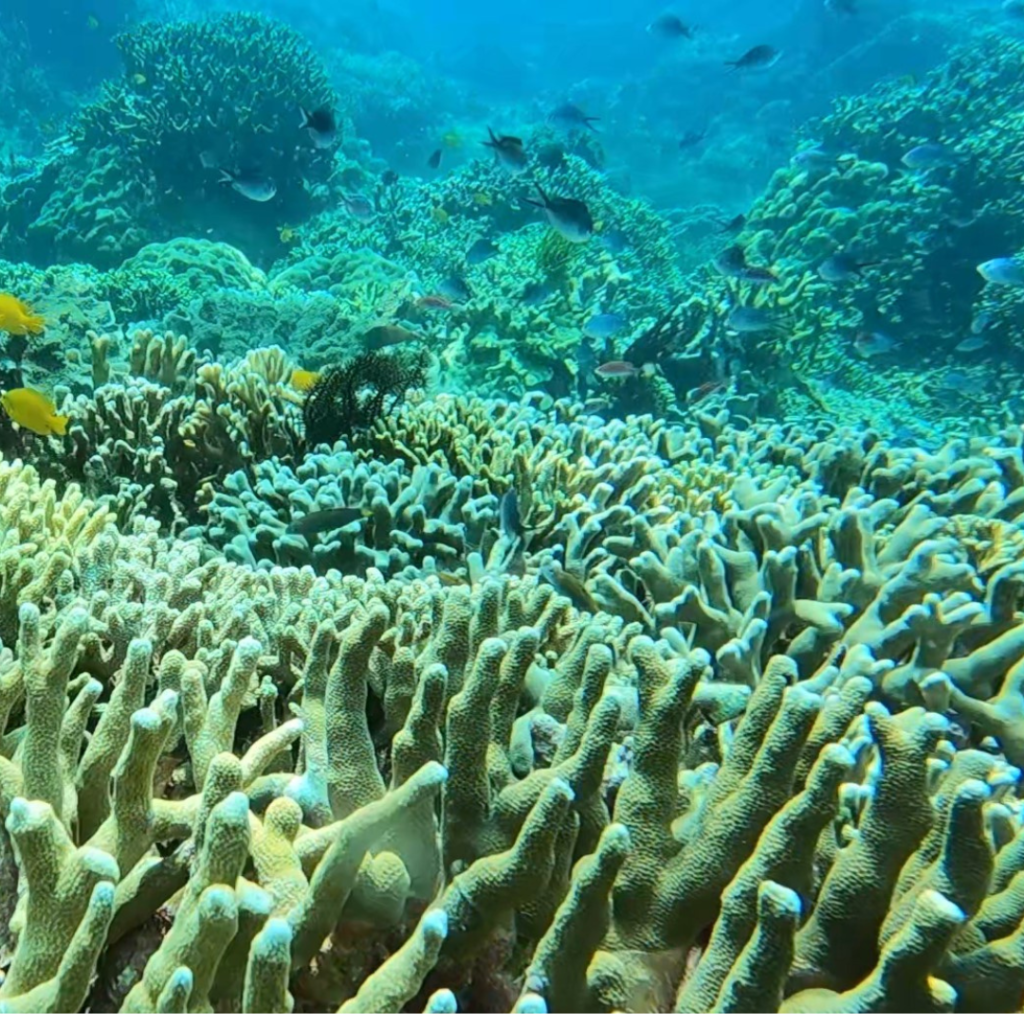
{"x": 512, "y": 509}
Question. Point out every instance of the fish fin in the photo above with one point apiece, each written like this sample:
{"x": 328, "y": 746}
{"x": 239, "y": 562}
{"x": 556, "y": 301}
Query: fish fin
{"x": 59, "y": 424}
{"x": 35, "y": 324}
{"x": 544, "y": 196}
{"x": 226, "y": 177}
{"x": 492, "y": 142}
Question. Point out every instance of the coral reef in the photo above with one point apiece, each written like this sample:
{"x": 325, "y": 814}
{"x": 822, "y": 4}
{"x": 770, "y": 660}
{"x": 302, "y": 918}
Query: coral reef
{"x": 141, "y": 163}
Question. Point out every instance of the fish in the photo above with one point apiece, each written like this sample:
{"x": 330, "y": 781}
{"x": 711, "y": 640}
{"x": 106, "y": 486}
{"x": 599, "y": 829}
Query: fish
{"x": 325, "y": 521}
{"x": 251, "y": 184}
{"x": 455, "y": 289}
{"x": 980, "y": 322}
{"x": 974, "y": 343}
{"x": 1004, "y": 271}
{"x": 692, "y": 138}
{"x": 34, "y": 411}
{"x": 508, "y": 152}
{"x": 751, "y": 320}
{"x": 670, "y": 26}
{"x": 734, "y": 226}
{"x": 389, "y": 178}
{"x": 320, "y": 125}
{"x": 605, "y": 325}
{"x": 481, "y": 251}
{"x": 439, "y": 215}
{"x": 617, "y": 368}
{"x": 139, "y": 79}
{"x": 571, "y": 218}
{"x": 304, "y": 380}
{"x": 615, "y": 240}
{"x": 758, "y": 58}
{"x": 434, "y": 160}
{"x": 358, "y": 206}
{"x": 956, "y": 380}
{"x": 569, "y": 585}
{"x": 814, "y": 158}
{"x": 847, "y": 8}
{"x": 1013, "y": 8}
{"x": 730, "y": 262}
{"x": 384, "y": 335}
{"x": 841, "y": 267}
{"x": 537, "y": 293}
{"x": 17, "y": 317}
{"x": 931, "y": 155}
{"x": 508, "y": 515}
{"x": 451, "y": 140}
{"x": 874, "y": 343}
{"x": 568, "y": 115}
{"x": 483, "y": 199}
{"x": 434, "y": 302}
{"x": 287, "y": 234}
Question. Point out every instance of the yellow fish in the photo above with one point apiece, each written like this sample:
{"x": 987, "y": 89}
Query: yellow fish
{"x": 32, "y": 410}
{"x": 16, "y": 317}
{"x": 304, "y": 380}
{"x": 439, "y": 215}
{"x": 482, "y": 199}
{"x": 451, "y": 140}
{"x": 286, "y": 234}
{"x": 139, "y": 78}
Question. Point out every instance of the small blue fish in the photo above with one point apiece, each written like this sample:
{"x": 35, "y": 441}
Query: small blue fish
{"x": 971, "y": 344}
{"x": 1003, "y": 271}
{"x": 455, "y": 288}
{"x": 481, "y": 251}
{"x": 511, "y": 523}
{"x": 874, "y": 343}
{"x": 605, "y": 325}
{"x": 751, "y": 320}
{"x": 615, "y": 241}
{"x": 930, "y": 156}
{"x": 955, "y": 380}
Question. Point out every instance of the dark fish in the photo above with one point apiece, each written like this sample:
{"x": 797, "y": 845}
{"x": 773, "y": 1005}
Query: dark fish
{"x": 481, "y": 251}
{"x": 435, "y": 160}
{"x": 455, "y": 288}
{"x": 669, "y": 26}
{"x": 389, "y": 178}
{"x": 250, "y": 184}
{"x": 844, "y": 7}
{"x": 757, "y": 58}
{"x": 508, "y": 513}
{"x": 537, "y": 293}
{"x": 568, "y": 115}
{"x": 693, "y": 138}
{"x": 734, "y": 226}
{"x": 569, "y": 217}
{"x": 730, "y": 261}
{"x": 321, "y": 126}
{"x": 569, "y": 585}
{"x": 551, "y": 155}
{"x": 842, "y": 267}
{"x": 326, "y": 520}
{"x": 385, "y": 335}
{"x": 508, "y": 151}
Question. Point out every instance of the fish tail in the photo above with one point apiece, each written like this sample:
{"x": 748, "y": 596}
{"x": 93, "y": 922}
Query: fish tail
{"x": 226, "y": 177}
{"x": 35, "y": 324}
{"x": 304, "y": 113}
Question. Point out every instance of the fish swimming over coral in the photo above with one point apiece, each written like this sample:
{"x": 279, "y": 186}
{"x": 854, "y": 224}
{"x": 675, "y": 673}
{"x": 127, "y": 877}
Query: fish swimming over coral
{"x": 1004, "y": 271}
{"x": 325, "y": 521}
{"x": 508, "y": 152}
{"x": 569, "y": 116}
{"x": 34, "y": 411}
{"x": 571, "y": 218}
{"x": 757, "y": 58}
{"x": 249, "y": 183}
{"x": 17, "y": 317}
{"x": 321, "y": 126}
{"x": 670, "y": 26}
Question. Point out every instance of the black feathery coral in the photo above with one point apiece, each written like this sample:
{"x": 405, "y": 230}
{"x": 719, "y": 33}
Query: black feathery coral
{"x": 350, "y": 397}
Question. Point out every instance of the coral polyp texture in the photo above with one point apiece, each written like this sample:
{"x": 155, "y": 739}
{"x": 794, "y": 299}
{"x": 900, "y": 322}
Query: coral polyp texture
{"x": 419, "y": 768}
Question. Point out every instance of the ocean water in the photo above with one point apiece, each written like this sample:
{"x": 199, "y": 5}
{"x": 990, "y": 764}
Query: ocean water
{"x": 617, "y": 402}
